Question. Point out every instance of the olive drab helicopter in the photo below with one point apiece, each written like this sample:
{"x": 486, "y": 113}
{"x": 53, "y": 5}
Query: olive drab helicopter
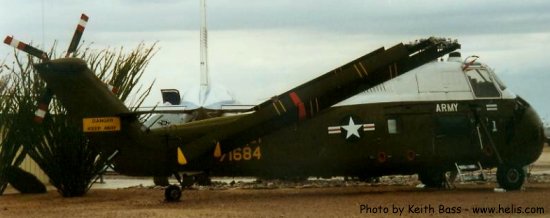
{"x": 392, "y": 111}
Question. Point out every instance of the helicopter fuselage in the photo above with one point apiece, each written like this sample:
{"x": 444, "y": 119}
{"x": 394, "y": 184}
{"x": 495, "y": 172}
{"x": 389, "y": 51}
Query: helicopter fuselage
{"x": 430, "y": 119}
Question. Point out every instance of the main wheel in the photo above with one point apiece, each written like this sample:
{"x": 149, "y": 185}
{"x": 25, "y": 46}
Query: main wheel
{"x": 432, "y": 178}
{"x": 172, "y": 193}
{"x": 510, "y": 177}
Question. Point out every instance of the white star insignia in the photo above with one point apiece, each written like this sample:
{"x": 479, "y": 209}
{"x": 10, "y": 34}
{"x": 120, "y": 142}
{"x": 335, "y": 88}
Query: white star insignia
{"x": 352, "y": 129}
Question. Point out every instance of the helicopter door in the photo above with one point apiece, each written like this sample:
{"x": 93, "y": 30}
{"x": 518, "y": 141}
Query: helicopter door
{"x": 454, "y": 136}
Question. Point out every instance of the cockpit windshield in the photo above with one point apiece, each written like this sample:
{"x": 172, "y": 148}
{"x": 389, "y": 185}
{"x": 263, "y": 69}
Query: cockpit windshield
{"x": 498, "y": 81}
{"x": 482, "y": 83}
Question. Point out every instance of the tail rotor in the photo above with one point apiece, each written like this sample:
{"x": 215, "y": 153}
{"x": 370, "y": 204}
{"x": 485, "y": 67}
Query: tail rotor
{"x": 47, "y": 96}
{"x": 77, "y": 35}
{"x": 9, "y": 40}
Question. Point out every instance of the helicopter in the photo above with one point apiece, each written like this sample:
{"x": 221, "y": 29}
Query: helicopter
{"x": 392, "y": 111}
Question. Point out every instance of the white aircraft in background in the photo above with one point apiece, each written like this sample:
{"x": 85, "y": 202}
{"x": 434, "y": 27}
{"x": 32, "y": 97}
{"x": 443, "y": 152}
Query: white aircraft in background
{"x": 198, "y": 102}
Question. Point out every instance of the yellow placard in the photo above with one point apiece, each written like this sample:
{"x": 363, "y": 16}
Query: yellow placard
{"x": 101, "y": 124}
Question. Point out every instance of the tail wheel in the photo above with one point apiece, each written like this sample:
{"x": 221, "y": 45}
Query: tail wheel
{"x": 172, "y": 193}
{"x": 510, "y": 177}
{"x": 432, "y": 178}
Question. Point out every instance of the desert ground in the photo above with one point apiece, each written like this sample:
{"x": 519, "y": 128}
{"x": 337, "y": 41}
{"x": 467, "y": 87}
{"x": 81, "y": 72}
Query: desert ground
{"x": 392, "y": 196}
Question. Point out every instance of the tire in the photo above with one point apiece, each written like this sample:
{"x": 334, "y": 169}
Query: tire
{"x": 510, "y": 177}
{"x": 172, "y": 193}
{"x": 432, "y": 178}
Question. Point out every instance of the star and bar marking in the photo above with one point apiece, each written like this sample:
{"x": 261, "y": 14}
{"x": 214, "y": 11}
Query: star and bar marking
{"x": 351, "y": 128}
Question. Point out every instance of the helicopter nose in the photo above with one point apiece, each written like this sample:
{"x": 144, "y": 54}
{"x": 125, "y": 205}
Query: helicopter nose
{"x": 526, "y": 134}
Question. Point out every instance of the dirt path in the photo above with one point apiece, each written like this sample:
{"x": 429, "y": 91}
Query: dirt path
{"x": 353, "y": 201}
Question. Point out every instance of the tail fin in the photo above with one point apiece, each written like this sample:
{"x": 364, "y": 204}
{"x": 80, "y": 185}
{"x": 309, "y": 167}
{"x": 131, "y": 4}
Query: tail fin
{"x": 204, "y": 87}
{"x": 106, "y": 120}
{"x": 79, "y": 90}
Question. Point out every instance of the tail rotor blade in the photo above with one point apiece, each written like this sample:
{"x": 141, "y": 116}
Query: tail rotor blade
{"x": 77, "y": 34}
{"x": 26, "y": 48}
{"x": 43, "y": 105}
{"x": 112, "y": 88}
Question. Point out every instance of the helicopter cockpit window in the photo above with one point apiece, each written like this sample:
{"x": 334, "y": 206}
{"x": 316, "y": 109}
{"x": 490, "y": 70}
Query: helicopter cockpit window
{"x": 498, "y": 81}
{"x": 482, "y": 83}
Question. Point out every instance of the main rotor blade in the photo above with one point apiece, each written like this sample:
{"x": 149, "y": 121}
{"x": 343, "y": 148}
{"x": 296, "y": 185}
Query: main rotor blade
{"x": 77, "y": 34}
{"x": 9, "y": 40}
{"x": 309, "y": 99}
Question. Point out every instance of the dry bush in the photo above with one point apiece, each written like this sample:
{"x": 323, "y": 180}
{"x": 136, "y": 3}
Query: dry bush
{"x": 57, "y": 145}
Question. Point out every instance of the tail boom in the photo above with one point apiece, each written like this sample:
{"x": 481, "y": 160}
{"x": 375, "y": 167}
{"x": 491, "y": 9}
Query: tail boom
{"x": 79, "y": 90}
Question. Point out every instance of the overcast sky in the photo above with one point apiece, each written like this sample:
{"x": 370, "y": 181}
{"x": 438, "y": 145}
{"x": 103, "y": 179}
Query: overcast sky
{"x": 260, "y": 48}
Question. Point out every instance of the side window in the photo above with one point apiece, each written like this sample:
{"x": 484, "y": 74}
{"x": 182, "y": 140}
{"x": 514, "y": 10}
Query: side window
{"x": 482, "y": 83}
{"x": 393, "y": 126}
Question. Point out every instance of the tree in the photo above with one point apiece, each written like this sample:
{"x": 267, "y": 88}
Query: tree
{"x": 16, "y": 93}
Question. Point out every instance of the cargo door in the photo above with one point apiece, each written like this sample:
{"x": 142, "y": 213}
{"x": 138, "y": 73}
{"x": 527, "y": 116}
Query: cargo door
{"x": 454, "y": 136}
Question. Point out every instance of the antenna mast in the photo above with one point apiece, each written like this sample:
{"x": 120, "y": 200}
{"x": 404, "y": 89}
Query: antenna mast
{"x": 204, "y": 55}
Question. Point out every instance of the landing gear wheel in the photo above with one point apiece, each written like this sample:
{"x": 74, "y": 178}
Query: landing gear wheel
{"x": 432, "y": 178}
{"x": 510, "y": 177}
{"x": 172, "y": 193}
